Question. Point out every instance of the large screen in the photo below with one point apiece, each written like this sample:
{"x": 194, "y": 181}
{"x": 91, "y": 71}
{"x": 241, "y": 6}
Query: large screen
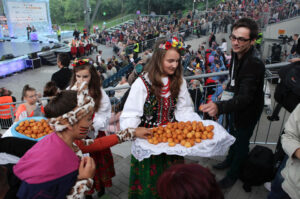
{"x": 21, "y": 13}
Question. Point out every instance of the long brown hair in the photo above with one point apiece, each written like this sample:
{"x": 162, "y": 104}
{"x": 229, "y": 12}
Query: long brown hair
{"x": 155, "y": 71}
{"x": 94, "y": 84}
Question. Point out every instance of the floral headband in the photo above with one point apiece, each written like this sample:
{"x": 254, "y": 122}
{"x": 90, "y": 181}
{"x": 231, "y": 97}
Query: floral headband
{"x": 174, "y": 42}
{"x": 80, "y": 62}
{"x": 85, "y": 105}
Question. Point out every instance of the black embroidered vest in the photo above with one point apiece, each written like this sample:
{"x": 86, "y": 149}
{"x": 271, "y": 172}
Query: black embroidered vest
{"x": 157, "y": 111}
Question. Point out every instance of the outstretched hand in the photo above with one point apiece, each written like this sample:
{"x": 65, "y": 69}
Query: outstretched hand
{"x": 142, "y": 132}
{"x": 87, "y": 168}
{"x": 210, "y": 108}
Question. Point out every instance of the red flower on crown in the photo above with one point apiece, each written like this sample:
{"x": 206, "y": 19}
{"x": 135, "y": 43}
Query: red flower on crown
{"x": 80, "y": 62}
{"x": 168, "y": 45}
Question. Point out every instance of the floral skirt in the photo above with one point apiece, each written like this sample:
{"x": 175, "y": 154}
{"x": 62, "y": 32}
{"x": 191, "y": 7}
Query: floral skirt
{"x": 105, "y": 169}
{"x": 144, "y": 175}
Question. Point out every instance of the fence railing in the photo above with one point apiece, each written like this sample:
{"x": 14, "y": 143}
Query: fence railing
{"x": 266, "y": 132}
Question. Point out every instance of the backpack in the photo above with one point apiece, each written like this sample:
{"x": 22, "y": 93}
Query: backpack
{"x": 287, "y": 92}
{"x": 258, "y": 168}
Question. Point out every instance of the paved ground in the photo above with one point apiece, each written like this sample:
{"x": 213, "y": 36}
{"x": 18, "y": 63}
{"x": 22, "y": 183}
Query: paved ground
{"x": 38, "y": 77}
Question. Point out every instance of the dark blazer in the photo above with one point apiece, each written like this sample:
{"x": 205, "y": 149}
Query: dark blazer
{"x": 248, "y": 100}
{"x": 62, "y": 78}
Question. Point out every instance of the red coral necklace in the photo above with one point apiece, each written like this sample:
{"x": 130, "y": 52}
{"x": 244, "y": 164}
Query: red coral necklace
{"x": 166, "y": 88}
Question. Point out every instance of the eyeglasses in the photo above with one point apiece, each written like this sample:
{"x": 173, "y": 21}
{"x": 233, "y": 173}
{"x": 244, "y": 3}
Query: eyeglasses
{"x": 239, "y": 39}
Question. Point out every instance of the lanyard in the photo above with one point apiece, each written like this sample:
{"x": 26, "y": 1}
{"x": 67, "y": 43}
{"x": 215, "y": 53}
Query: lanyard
{"x": 232, "y": 82}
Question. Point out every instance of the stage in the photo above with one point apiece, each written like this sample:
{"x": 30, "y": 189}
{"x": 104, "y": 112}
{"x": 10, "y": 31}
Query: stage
{"x": 20, "y": 49}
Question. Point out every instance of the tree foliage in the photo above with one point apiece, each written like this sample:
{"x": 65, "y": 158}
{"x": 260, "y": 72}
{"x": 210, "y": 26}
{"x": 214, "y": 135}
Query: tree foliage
{"x": 64, "y": 11}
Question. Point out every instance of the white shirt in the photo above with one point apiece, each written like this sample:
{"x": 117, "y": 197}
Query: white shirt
{"x": 102, "y": 116}
{"x": 224, "y": 46}
{"x": 120, "y": 93}
{"x": 134, "y": 107}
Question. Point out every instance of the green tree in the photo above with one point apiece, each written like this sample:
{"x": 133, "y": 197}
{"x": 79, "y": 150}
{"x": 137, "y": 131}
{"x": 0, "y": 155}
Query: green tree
{"x": 74, "y": 11}
{"x": 57, "y": 11}
{"x": 63, "y": 11}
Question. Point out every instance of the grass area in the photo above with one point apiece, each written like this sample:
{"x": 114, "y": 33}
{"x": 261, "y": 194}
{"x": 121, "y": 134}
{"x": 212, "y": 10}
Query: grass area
{"x": 109, "y": 23}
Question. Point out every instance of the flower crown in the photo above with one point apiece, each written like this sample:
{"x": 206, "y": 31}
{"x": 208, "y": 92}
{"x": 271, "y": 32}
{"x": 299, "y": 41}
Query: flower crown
{"x": 80, "y": 62}
{"x": 174, "y": 42}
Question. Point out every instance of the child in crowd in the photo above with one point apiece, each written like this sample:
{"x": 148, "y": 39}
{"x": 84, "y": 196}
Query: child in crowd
{"x": 84, "y": 71}
{"x": 55, "y": 167}
{"x": 50, "y": 89}
{"x": 190, "y": 181}
{"x": 32, "y": 106}
{"x": 157, "y": 97}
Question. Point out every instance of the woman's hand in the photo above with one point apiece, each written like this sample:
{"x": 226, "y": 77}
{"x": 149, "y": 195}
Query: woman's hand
{"x": 87, "y": 168}
{"x": 142, "y": 132}
{"x": 294, "y": 60}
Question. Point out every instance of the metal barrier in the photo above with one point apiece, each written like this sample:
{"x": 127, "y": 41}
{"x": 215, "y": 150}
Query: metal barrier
{"x": 148, "y": 44}
{"x": 7, "y": 116}
{"x": 266, "y": 132}
{"x": 119, "y": 21}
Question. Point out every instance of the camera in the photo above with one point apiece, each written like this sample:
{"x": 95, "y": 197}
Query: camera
{"x": 285, "y": 39}
{"x": 276, "y": 53}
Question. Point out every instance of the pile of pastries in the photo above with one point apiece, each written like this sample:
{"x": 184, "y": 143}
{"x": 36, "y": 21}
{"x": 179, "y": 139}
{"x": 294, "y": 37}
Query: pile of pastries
{"x": 34, "y": 129}
{"x": 186, "y": 134}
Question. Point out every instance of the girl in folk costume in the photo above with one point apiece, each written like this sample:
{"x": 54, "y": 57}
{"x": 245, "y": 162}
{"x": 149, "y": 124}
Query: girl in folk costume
{"x": 84, "y": 71}
{"x": 157, "y": 97}
{"x": 74, "y": 46}
{"x": 82, "y": 44}
{"x": 55, "y": 167}
{"x": 87, "y": 47}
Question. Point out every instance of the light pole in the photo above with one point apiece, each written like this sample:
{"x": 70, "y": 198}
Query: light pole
{"x": 194, "y": 5}
{"x": 122, "y": 8}
{"x": 148, "y": 7}
{"x": 87, "y": 11}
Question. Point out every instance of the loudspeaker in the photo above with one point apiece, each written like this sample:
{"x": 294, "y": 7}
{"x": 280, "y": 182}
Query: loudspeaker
{"x": 34, "y": 63}
{"x": 33, "y": 55}
{"x": 56, "y": 46}
{"x": 45, "y": 48}
{"x": 7, "y": 56}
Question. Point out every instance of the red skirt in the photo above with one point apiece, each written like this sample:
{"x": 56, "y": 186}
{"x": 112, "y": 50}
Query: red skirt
{"x": 81, "y": 50}
{"x": 88, "y": 47}
{"x": 105, "y": 169}
{"x": 73, "y": 50}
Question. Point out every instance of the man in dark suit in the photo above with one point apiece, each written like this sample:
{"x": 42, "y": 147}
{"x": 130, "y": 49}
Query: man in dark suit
{"x": 63, "y": 76}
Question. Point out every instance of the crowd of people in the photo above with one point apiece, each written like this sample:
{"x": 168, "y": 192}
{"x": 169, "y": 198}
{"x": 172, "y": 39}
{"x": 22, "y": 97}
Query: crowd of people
{"x": 263, "y": 12}
{"x": 218, "y": 19}
{"x": 80, "y": 111}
